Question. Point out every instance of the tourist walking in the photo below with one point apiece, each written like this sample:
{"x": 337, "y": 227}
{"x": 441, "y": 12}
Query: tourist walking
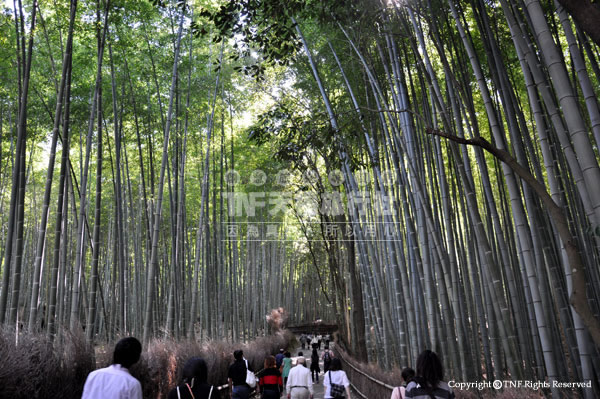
{"x": 314, "y": 366}
{"x": 279, "y": 358}
{"x": 269, "y": 380}
{"x": 408, "y": 375}
{"x": 286, "y": 366}
{"x": 299, "y": 383}
{"x": 314, "y": 343}
{"x": 428, "y": 383}
{"x": 327, "y": 357}
{"x": 236, "y": 377}
{"x": 193, "y": 384}
{"x": 336, "y": 381}
{"x": 115, "y": 381}
{"x": 303, "y": 340}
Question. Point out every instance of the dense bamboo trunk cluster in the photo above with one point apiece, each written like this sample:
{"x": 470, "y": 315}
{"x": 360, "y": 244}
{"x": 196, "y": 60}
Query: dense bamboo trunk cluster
{"x": 120, "y": 264}
{"x": 480, "y": 269}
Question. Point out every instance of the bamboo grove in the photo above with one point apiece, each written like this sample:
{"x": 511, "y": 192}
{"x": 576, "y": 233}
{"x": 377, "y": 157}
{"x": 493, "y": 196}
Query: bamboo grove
{"x": 441, "y": 168}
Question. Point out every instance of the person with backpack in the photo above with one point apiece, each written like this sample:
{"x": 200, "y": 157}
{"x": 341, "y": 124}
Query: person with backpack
{"x": 303, "y": 340}
{"x": 407, "y": 376}
{"x": 335, "y": 381}
{"x": 428, "y": 383}
{"x": 270, "y": 381}
{"x": 314, "y": 366}
{"x": 193, "y": 384}
{"x": 327, "y": 356}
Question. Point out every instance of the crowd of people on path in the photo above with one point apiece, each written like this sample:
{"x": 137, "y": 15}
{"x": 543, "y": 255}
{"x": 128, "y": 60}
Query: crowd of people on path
{"x": 278, "y": 377}
{"x": 297, "y": 381}
{"x": 314, "y": 340}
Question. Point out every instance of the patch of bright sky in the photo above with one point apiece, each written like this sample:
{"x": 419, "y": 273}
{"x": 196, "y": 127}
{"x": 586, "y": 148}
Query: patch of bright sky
{"x": 267, "y": 96}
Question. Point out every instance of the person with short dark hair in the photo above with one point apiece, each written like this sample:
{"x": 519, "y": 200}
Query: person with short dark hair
{"x": 194, "y": 383}
{"x": 279, "y": 357}
{"x": 336, "y": 376}
{"x": 238, "y": 389}
{"x": 428, "y": 383}
{"x": 270, "y": 381}
{"x": 407, "y": 376}
{"x": 115, "y": 381}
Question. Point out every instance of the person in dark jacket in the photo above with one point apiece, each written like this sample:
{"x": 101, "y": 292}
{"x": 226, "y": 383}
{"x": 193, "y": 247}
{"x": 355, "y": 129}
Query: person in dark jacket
{"x": 270, "y": 381}
{"x": 279, "y": 358}
{"x": 193, "y": 384}
{"x": 238, "y": 389}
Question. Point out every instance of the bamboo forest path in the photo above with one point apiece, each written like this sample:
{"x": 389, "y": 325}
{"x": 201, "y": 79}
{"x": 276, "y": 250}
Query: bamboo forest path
{"x": 363, "y": 384}
{"x": 318, "y": 388}
{"x": 319, "y": 328}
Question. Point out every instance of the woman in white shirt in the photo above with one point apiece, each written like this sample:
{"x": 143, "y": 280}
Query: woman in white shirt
{"x": 336, "y": 376}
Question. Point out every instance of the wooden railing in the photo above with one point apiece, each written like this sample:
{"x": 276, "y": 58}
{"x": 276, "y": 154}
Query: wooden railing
{"x": 361, "y": 382}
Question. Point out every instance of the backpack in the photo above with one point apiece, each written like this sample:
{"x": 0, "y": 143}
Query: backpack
{"x": 326, "y": 357}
